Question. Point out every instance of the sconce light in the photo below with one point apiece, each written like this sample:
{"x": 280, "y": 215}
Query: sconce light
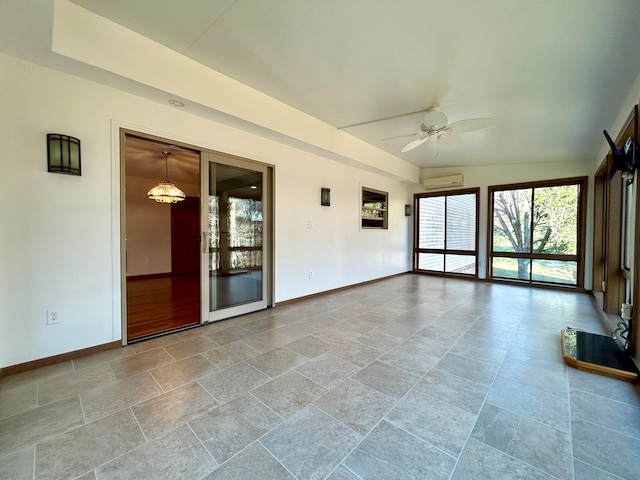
{"x": 407, "y": 210}
{"x": 325, "y": 197}
{"x": 63, "y": 154}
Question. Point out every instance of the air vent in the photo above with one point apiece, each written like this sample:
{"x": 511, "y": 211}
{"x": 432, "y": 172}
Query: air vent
{"x": 443, "y": 182}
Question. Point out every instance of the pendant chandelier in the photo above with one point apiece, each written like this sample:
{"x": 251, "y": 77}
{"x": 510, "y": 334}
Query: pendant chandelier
{"x": 166, "y": 192}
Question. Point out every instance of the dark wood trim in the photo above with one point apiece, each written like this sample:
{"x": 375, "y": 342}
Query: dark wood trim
{"x": 335, "y": 290}
{"x": 634, "y": 334}
{"x": 462, "y": 276}
{"x": 538, "y": 256}
{"x": 445, "y": 251}
{"x": 580, "y": 255}
{"x": 63, "y": 357}
{"x": 599, "y": 212}
{"x": 526, "y": 283}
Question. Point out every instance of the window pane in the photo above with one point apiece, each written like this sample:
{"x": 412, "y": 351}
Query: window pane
{"x": 431, "y": 223}
{"x": 461, "y": 264}
{"x": 510, "y": 268}
{"x": 555, "y": 220}
{"x": 555, "y": 271}
{"x": 431, "y": 261}
{"x": 374, "y": 209}
{"x": 512, "y": 221}
{"x": 461, "y": 222}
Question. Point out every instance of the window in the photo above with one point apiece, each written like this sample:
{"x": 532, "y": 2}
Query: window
{"x": 536, "y": 233}
{"x": 374, "y": 208}
{"x": 447, "y": 233}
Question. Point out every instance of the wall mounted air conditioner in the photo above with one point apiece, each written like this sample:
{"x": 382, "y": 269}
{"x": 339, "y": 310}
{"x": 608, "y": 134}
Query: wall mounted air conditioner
{"x": 443, "y": 182}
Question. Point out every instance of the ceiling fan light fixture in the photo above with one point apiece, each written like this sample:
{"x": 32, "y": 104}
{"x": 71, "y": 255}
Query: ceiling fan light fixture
{"x": 435, "y": 119}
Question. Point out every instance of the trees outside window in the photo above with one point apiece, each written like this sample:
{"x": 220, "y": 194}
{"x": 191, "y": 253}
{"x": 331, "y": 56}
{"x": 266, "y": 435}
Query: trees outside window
{"x": 536, "y": 232}
{"x": 374, "y": 208}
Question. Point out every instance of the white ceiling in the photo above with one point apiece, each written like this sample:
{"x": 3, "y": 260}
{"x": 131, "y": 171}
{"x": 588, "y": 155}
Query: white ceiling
{"x": 553, "y": 73}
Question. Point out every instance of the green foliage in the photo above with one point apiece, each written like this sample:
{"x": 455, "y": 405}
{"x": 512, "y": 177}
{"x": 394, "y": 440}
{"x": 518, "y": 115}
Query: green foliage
{"x": 540, "y": 220}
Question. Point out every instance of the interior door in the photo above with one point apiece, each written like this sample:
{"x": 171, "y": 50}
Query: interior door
{"x": 235, "y": 244}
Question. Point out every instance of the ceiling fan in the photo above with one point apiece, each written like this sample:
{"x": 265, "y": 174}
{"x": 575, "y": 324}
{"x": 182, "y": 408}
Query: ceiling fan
{"x": 436, "y": 124}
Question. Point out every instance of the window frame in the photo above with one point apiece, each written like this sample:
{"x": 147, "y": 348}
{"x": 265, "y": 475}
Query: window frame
{"x": 445, "y": 251}
{"x": 579, "y": 256}
{"x": 384, "y": 222}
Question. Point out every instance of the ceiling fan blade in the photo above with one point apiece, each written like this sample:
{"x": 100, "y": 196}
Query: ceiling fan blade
{"x": 450, "y": 140}
{"x": 470, "y": 124}
{"x": 405, "y": 135}
{"x": 415, "y": 143}
{"x": 435, "y": 120}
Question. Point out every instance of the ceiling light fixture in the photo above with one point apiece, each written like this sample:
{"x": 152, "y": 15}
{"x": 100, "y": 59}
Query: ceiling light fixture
{"x": 166, "y": 192}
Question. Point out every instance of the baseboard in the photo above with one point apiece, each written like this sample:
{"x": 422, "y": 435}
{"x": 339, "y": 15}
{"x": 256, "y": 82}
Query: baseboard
{"x": 63, "y": 357}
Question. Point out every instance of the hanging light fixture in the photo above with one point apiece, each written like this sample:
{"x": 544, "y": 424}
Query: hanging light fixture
{"x": 166, "y": 192}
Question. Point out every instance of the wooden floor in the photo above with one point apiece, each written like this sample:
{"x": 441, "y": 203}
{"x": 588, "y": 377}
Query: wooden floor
{"x": 159, "y": 304}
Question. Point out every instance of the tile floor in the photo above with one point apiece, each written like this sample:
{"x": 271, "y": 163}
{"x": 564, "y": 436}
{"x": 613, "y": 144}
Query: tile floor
{"x": 413, "y": 377}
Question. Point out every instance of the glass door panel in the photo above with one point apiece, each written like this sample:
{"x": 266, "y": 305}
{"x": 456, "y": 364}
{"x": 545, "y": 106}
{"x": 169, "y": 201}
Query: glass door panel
{"x": 234, "y": 238}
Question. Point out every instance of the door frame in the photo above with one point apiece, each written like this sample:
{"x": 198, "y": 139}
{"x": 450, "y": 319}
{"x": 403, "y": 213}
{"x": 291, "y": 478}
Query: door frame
{"x": 118, "y": 177}
{"x": 208, "y": 157}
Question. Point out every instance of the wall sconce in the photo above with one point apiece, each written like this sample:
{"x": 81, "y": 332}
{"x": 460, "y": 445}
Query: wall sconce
{"x": 407, "y": 210}
{"x": 325, "y": 197}
{"x": 63, "y": 154}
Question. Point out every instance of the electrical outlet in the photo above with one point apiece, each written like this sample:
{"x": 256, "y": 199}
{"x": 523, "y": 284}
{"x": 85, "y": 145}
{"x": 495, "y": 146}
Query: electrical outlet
{"x": 53, "y": 316}
{"x": 309, "y": 224}
{"x": 310, "y": 273}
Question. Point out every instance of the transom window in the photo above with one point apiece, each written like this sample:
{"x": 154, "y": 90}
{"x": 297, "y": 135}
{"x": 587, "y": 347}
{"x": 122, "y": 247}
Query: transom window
{"x": 447, "y": 233}
{"x": 536, "y": 232}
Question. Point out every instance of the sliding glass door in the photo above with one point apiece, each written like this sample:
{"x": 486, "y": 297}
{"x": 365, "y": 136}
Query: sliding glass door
{"x": 235, "y": 241}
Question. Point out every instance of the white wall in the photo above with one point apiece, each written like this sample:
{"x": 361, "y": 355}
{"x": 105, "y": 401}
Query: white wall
{"x": 148, "y": 230}
{"x": 59, "y": 238}
{"x": 486, "y": 176}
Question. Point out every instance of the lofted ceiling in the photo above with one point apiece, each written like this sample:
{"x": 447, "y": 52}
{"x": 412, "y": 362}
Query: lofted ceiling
{"x": 553, "y": 74}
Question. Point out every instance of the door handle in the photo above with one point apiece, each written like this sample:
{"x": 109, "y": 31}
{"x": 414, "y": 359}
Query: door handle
{"x": 205, "y": 242}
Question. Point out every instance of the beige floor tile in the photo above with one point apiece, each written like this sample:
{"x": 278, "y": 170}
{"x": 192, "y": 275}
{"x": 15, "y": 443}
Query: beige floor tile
{"x": 253, "y": 463}
{"x": 153, "y": 343}
{"x": 191, "y": 346}
{"x": 35, "y": 375}
{"x": 101, "y": 357}
{"x": 176, "y": 455}
{"x": 78, "y": 451}
{"x": 141, "y": 362}
{"x": 231, "y": 382}
{"x": 380, "y": 373}
{"x": 184, "y": 371}
{"x": 230, "y": 354}
{"x": 112, "y": 397}
{"x": 73, "y": 383}
{"x": 226, "y": 430}
{"x": 18, "y": 465}
{"x": 39, "y": 424}
{"x": 18, "y": 399}
{"x": 169, "y": 410}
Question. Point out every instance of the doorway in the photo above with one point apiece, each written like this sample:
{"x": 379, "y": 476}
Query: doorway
{"x": 162, "y": 261}
{"x": 199, "y": 260}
